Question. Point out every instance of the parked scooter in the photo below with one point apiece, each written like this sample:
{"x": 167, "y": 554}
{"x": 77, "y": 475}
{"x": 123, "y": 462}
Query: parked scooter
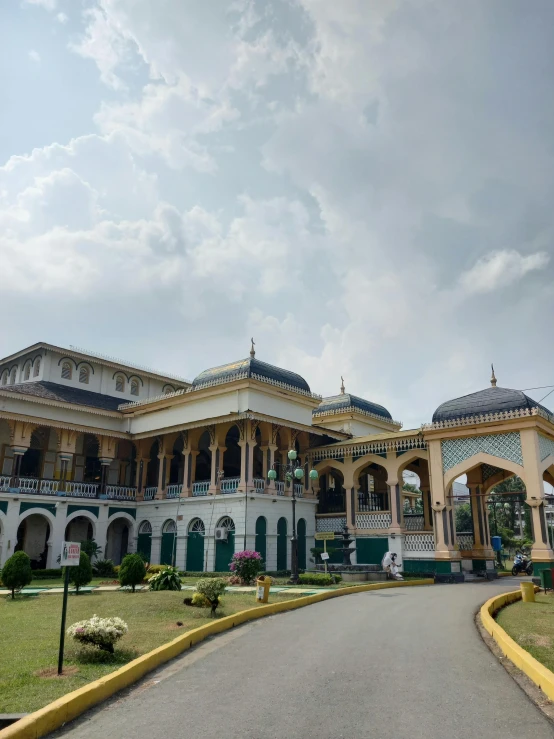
{"x": 522, "y": 563}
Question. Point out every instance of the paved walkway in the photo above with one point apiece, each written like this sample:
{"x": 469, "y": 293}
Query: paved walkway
{"x": 390, "y": 664}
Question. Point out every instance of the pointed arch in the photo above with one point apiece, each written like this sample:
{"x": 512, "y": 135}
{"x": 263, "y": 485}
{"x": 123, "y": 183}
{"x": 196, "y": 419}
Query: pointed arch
{"x": 481, "y": 458}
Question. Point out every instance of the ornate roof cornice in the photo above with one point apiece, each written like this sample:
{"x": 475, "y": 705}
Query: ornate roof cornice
{"x": 372, "y": 447}
{"x": 146, "y": 401}
{"x": 489, "y": 418}
{"x": 354, "y": 409}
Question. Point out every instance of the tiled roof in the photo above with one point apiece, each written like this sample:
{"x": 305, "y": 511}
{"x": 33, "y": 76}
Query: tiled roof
{"x": 490, "y": 400}
{"x": 64, "y": 394}
{"x": 346, "y": 401}
{"x": 251, "y": 367}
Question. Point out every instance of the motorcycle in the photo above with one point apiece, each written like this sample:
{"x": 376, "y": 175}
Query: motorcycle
{"x": 522, "y": 564}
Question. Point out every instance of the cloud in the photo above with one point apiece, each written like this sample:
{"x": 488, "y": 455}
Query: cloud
{"x": 62, "y": 18}
{"x": 34, "y": 56}
{"x": 46, "y": 4}
{"x": 501, "y": 269}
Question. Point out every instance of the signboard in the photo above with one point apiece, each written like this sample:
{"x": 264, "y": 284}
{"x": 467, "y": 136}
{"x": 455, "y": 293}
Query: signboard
{"x": 324, "y": 556}
{"x": 324, "y": 536}
{"x": 71, "y": 553}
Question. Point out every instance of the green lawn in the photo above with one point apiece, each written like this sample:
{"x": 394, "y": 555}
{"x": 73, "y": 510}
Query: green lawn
{"x": 531, "y": 625}
{"x": 30, "y": 633}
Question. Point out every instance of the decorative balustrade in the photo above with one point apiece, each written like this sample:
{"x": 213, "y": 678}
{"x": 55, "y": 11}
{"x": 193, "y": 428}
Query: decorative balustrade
{"x": 373, "y": 520}
{"x": 329, "y": 523}
{"x": 259, "y": 484}
{"x": 150, "y": 492}
{"x": 298, "y": 490}
{"x": 28, "y": 484}
{"x": 419, "y": 543}
{"x": 465, "y": 540}
{"x": 370, "y": 502}
{"x": 120, "y": 492}
{"x": 414, "y": 522}
{"x": 226, "y": 486}
{"x": 4, "y": 482}
{"x": 82, "y": 489}
{"x": 49, "y": 487}
{"x": 174, "y": 491}
{"x": 200, "y": 488}
{"x": 280, "y": 487}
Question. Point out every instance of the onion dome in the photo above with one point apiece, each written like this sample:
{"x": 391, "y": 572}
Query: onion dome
{"x": 348, "y": 403}
{"x": 252, "y": 368}
{"x": 491, "y": 400}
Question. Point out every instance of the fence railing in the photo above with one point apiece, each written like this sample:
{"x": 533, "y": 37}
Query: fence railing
{"x": 299, "y": 490}
{"x": 280, "y": 487}
{"x": 228, "y": 485}
{"x": 150, "y": 492}
{"x": 259, "y": 484}
{"x": 200, "y": 488}
{"x": 82, "y": 489}
{"x": 174, "y": 490}
{"x": 69, "y": 488}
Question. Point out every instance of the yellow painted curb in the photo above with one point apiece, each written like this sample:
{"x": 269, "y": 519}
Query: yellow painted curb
{"x": 521, "y": 658}
{"x": 73, "y": 704}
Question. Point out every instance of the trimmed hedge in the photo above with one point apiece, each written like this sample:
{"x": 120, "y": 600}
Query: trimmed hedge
{"x": 318, "y": 579}
{"x": 53, "y": 574}
{"x": 205, "y": 574}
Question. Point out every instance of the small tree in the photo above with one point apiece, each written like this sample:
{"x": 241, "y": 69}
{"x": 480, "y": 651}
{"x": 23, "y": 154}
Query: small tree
{"x": 91, "y": 548}
{"x": 247, "y": 565}
{"x": 82, "y": 573}
{"x": 132, "y": 571}
{"x": 17, "y": 572}
{"x": 212, "y": 588}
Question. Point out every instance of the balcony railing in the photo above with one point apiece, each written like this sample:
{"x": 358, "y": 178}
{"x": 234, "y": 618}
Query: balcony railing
{"x": 280, "y": 487}
{"x": 174, "y": 490}
{"x": 200, "y": 488}
{"x": 299, "y": 490}
{"x": 228, "y": 485}
{"x": 414, "y": 521}
{"x": 4, "y": 482}
{"x": 69, "y": 488}
{"x": 119, "y": 492}
{"x": 82, "y": 489}
{"x": 372, "y": 502}
{"x": 150, "y": 492}
{"x": 259, "y": 484}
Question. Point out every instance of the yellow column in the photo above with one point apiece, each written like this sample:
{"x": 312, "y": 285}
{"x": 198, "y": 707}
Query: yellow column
{"x": 541, "y": 551}
{"x": 441, "y": 504}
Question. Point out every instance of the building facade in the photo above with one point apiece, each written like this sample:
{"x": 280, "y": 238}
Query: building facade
{"x": 92, "y": 448}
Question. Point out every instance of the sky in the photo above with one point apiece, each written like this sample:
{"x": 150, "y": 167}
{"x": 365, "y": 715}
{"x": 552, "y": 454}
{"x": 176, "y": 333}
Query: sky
{"x": 366, "y": 187}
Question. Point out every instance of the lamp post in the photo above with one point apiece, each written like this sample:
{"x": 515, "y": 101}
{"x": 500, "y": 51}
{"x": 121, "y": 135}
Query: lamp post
{"x": 292, "y": 471}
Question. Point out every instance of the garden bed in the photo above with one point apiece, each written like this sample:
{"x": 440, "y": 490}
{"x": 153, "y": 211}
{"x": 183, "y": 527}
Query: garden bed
{"x": 30, "y": 633}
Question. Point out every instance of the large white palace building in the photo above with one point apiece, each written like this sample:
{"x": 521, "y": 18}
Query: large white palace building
{"x": 91, "y": 447}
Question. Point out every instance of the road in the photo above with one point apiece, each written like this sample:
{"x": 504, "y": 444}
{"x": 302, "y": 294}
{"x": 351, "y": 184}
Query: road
{"x": 406, "y": 663}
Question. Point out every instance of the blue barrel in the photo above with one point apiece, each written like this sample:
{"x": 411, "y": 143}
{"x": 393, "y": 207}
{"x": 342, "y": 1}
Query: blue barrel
{"x": 496, "y": 542}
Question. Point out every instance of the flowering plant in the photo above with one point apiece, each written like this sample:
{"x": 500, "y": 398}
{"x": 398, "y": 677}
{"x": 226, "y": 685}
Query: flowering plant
{"x": 99, "y": 632}
{"x": 247, "y": 565}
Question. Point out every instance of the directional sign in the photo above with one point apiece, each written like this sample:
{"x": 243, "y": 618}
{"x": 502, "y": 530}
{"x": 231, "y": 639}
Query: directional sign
{"x": 324, "y": 535}
{"x": 324, "y": 556}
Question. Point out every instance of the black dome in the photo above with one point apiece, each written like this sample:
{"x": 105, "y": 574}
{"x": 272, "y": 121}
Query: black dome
{"x": 490, "y": 400}
{"x": 249, "y": 368}
{"x": 338, "y": 403}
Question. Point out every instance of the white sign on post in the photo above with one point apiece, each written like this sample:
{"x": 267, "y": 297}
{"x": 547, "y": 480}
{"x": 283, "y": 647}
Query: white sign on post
{"x": 324, "y": 555}
{"x": 71, "y": 554}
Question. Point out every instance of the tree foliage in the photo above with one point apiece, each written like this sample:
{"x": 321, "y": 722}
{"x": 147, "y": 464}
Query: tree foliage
{"x": 464, "y": 520}
{"x": 132, "y": 571}
{"x": 17, "y": 572}
{"x": 82, "y": 573}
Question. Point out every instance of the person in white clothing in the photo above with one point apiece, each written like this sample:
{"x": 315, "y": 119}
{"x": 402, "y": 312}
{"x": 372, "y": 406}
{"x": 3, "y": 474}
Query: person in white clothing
{"x": 389, "y": 565}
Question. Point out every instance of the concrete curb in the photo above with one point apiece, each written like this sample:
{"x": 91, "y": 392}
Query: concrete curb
{"x": 73, "y": 704}
{"x": 535, "y": 671}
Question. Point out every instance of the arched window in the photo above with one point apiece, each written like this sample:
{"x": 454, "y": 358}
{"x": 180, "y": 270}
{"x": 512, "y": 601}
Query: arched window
{"x": 13, "y": 375}
{"x": 5, "y": 377}
{"x": 196, "y": 526}
{"x": 67, "y": 371}
{"x": 145, "y": 528}
{"x": 134, "y": 387}
{"x": 37, "y": 367}
{"x": 169, "y": 527}
{"x": 84, "y": 375}
{"x": 168, "y": 389}
{"x": 119, "y": 383}
{"x": 27, "y": 374}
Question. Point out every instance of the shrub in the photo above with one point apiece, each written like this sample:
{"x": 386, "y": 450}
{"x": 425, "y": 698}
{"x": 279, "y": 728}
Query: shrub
{"x": 82, "y": 573}
{"x": 322, "y": 579}
{"x": 198, "y": 575}
{"x": 132, "y": 571}
{"x": 247, "y": 565}
{"x": 98, "y": 632}
{"x": 166, "y": 579}
{"x": 200, "y": 601}
{"x": 17, "y": 572}
{"x": 153, "y": 569}
{"x": 278, "y": 573}
{"x": 53, "y": 574}
{"x": 103, "y": 568}
{"x": 91, "y": 548}
{"x": 234, "y": 580}
{"x": 212, "y": 588}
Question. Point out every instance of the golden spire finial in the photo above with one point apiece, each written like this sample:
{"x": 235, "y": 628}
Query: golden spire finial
{"x": 493, "y": 378}
{"x": 252, "y": 350}
{"x": 342, "y": 388}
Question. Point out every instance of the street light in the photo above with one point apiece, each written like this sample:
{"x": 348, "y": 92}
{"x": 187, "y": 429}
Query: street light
{"x": 292, "y": 471}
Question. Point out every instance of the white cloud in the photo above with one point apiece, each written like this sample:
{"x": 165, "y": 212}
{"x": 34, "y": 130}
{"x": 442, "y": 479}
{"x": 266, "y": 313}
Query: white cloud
{"x": 501, "y": 269}
{"x": 34, "y": 56}
{"x": 46, "y": 4}
{"x": 62, "y": 18}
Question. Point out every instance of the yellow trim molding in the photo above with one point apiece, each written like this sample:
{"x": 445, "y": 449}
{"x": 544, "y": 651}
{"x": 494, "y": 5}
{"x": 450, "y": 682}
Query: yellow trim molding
{"x": 73, "y": 704}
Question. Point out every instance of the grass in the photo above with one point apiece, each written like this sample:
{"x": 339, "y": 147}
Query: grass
{"x": 531, "y": 625}
{"x": 30, "y": 630}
